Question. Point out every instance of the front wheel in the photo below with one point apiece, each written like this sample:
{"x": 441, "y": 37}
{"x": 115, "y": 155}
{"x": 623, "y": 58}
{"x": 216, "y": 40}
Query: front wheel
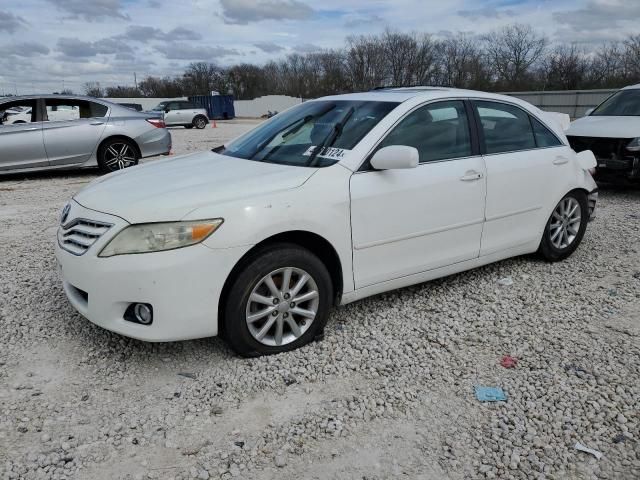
{"x": 279, "y": 301}
{"x": 565, "y": 228}
{"x": 117, "y": 154}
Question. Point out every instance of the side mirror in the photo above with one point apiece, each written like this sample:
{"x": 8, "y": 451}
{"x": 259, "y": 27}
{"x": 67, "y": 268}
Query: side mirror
{"x": 587, "y": 160}
{"x": 395, "y": 157}
{"x": 167, "y": 110}
{"x": 589, "y": 112}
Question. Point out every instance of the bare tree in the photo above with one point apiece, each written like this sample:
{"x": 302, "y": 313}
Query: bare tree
{"x": 462, "y": 63}
{"x": 366, "y": 62}
{"x": 512, "y": 51}
{"x": 201, "y": 78}
{"x": 564, "y": 68}
{"x": 122, "y": 92}
{"x": 606, "y": 69}
{"x": 331, "y": 65}
{"x": 632, "y": 57}
{"x": 246, "y": 81}
{"x": 93, "y": 89}
{"x": 401, "y": 52}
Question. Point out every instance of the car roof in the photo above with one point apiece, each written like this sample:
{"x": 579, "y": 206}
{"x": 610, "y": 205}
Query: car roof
{"x": 56, "y": 96}
{"x": 631, "y": 87}
{"x": 116, "y": 108}
{"x": 402, "y": 94}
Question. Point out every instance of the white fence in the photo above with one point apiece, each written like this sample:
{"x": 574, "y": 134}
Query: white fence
{"x": 574, "y": 103}
{"x": 260, "y": 106}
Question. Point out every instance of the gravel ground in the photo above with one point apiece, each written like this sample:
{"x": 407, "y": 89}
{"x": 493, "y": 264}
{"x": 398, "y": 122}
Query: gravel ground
{"x": 387, "y": 394}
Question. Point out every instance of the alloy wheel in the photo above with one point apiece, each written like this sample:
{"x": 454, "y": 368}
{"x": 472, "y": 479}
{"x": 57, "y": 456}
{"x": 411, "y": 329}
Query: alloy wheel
{"x": 565, "y": 223}
{"x": 201, "y": 123}
{"x": 282, "y": 306}
{"x": 119, "y": 156}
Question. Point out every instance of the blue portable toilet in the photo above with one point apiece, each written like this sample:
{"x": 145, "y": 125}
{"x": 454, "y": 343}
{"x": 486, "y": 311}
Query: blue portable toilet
{"x": 219, "y": 107}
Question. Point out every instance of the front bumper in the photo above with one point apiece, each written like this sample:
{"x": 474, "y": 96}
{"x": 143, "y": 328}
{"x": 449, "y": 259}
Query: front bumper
{"x": 183, "y": 286}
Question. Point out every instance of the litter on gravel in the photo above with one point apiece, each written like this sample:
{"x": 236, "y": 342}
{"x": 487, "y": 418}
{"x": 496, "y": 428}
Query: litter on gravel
{"x": 508, "y": 361}
{"x": 591, "y": 451}
{"x": 490, "y": 394}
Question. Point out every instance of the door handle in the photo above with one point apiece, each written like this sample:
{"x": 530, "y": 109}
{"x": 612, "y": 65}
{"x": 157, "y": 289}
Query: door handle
{"x": 560, "y": 160}
{"x": 96, "y": 123}
{"x": 471, "y": 176}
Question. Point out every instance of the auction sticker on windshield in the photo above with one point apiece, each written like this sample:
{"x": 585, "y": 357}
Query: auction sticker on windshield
{"x": 328, "y": 152}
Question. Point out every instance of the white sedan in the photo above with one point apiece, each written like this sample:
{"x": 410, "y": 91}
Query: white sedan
{"x": 329, "y": 202}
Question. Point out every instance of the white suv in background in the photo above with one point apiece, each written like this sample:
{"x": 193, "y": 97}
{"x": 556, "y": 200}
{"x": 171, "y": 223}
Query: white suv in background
{"x": 182, "y": 113}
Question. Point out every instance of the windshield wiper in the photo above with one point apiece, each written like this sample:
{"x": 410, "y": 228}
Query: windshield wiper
{"x": 332, "y": 137}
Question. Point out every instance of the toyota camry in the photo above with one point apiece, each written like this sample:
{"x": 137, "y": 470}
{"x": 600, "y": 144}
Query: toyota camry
{"x": 331, "y": 201}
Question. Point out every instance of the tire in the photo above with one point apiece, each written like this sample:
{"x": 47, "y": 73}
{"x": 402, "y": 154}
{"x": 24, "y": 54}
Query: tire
{"x": 200, "y": 122}
{"x": 565, "y": 228}
{"x": 251, "y": 283}
{"x": 117, "y": 154}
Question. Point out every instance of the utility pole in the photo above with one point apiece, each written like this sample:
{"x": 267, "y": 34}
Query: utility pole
{"x": 135, "y": 80}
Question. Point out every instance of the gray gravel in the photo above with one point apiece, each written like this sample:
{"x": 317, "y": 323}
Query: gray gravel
{"x": 387, "y": 394}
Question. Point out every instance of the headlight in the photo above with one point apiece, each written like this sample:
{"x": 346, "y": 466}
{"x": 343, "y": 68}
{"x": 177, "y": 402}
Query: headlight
{"x": 634, "y": 145}
{"x": 156, "y": 237}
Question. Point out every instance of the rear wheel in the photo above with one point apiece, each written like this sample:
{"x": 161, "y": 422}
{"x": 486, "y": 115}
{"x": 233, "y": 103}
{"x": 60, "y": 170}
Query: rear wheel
{"x": 565, "y": 228}
{"x": 200, "y": 122}
{"x": 279, "y": 301}
{"x": 117, "y": 154}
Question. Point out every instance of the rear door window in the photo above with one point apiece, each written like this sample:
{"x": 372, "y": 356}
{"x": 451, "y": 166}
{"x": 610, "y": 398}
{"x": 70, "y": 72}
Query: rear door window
{"x": 62, "y": 110}
{"x": 506, "y": 127}
{"x": 544, "y": 136}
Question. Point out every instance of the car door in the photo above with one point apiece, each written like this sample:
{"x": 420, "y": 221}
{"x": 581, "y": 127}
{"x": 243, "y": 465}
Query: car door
{"x": 524, "y": 162}
{"x": 174, "y": 115}
{"x": 410, "y": 221}
{"x": 21, "y": 143}
{"x": 72, "y": 129}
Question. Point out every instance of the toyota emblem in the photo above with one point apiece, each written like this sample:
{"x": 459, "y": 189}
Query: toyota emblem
{"x": 65, "y": 213}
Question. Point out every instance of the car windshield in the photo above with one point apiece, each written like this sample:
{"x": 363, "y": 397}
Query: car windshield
{"x": 291, "y": 137}
{"x": 625, "y": 103}
{"x": 160, "y": 106}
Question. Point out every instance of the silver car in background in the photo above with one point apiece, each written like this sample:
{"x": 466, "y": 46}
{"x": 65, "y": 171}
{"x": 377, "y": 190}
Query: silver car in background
{"x": 62, "y": 131}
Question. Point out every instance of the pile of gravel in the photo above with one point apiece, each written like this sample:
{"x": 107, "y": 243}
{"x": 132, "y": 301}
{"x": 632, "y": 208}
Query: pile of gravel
{"x": 389, "y": 392}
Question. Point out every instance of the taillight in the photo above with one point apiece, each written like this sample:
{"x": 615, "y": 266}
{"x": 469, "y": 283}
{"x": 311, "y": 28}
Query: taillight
{"x": 156, "y": 122}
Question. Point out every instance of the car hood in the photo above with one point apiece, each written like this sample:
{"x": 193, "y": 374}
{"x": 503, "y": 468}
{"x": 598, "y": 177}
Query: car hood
{"x": 609, "y": 127}
{"x": 167, "y": 190}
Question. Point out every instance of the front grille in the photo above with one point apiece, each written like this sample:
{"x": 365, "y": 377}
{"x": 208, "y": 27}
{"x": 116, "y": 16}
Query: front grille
{"x": 607, "y": 149}
{"x": 80, "y": 234}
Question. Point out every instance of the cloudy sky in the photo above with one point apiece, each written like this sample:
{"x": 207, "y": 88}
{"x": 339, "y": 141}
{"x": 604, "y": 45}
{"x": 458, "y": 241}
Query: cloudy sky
{"x": 47, "y": 43}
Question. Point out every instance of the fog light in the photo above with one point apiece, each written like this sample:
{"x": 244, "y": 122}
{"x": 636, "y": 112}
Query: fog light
{"x": 143, "y": 313}
{"x": 139, "y": 313}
